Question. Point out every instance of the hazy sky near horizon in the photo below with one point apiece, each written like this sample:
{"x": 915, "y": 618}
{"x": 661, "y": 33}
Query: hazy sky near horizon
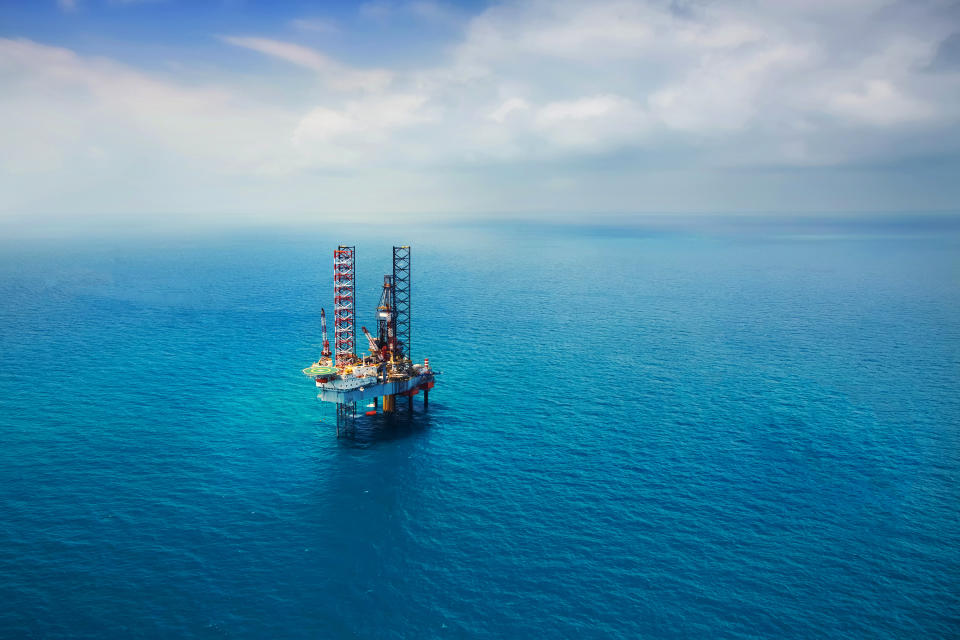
{"x": 179, "y": 110}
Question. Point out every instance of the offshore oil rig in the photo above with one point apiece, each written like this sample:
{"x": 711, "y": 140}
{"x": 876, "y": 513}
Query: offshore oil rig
{"x": 387, "y": 371}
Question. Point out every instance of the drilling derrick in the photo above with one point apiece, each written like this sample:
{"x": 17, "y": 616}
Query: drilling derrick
{"x": 344, "y": 304}
{"x": 387, "y": 372}
{"x": 387, "y": 322}
{"x": 401, "y": 299}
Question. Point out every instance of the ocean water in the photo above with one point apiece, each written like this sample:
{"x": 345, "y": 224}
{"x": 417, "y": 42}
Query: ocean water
{"x": 637, "y": 433}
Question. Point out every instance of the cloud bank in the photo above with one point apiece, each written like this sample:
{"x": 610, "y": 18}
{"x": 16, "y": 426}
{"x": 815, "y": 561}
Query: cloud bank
{"x": 533, "y": 106}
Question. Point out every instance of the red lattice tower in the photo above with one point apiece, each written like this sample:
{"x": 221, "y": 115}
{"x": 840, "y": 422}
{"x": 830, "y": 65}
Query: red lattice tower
{"x": 344, "y": 303}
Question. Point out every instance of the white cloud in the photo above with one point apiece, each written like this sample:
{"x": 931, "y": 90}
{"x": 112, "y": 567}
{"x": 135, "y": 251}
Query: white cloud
{"x": 573, "y": 111}
{"x": 355, "y": 132}
{"x": 595, "y": 123}
{"x": 561, "y": 29}
{"x": 732, "y": 80}
{"x": 725, "y": 91}
{"x": 528, "y": 85}
{"x": 338, "y": 76}
{"x": 879, "y": 103}
{"x": 508, "y": 106}
{"x": 58, "y": 105}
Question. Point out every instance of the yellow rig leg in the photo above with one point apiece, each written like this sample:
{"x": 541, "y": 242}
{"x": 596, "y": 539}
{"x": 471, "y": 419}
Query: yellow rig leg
{"x": 389, "y": 404}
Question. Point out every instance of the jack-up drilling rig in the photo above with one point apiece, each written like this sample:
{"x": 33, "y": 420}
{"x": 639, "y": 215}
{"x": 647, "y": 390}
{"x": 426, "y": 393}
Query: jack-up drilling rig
{"x": 387, "y": 371}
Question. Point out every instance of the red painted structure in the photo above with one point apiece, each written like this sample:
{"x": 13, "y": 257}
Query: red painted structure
{"x": 344, "y": 303}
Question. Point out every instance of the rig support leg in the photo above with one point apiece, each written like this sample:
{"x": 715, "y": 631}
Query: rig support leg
{"x": 426, "y": 398}
{"x": 389, "y": 404}
{"x": 376, "y": 401}
{"x": 346, "y": 417}
{"x": 409, "y": 403}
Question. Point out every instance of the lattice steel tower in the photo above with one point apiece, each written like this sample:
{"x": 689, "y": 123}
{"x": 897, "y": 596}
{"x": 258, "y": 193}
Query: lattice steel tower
{"x": 401, "y": 296}
{"x": 344, "y": 303}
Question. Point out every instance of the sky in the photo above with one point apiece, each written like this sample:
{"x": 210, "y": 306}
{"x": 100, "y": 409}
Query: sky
{"x": 180, "y": 111}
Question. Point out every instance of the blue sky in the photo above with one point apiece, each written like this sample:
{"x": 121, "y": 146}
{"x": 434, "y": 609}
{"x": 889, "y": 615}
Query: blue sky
{"x": 297, "y": 111}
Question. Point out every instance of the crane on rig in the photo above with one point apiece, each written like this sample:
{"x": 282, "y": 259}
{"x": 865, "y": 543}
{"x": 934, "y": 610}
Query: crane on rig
{"x": 374, "y": 345}
{"x": 326, "y": 353}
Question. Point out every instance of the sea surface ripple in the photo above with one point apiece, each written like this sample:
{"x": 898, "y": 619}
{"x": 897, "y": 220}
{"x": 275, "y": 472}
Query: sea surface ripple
{"x": 635, "y": 434}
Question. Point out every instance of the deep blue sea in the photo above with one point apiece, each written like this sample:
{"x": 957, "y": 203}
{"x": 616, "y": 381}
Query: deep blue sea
{"x": 637, "y": 433}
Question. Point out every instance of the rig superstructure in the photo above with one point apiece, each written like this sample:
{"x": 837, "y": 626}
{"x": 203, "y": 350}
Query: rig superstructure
{"x": 387, "y": 371}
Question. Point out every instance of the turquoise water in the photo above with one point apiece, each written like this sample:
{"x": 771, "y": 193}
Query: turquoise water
{"x": 636, "y": 434}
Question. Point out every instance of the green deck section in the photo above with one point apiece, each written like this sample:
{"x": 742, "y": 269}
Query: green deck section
{"x": 317, "y": 370}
